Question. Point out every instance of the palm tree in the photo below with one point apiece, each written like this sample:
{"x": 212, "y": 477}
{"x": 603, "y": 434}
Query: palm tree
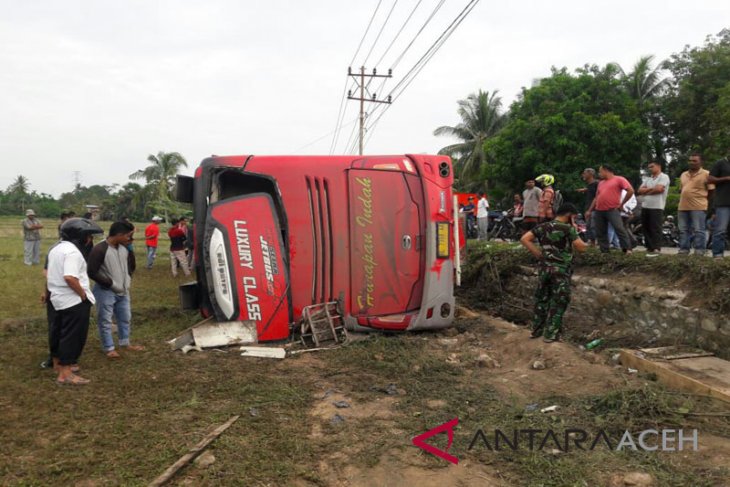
{"x": 644, "y": 82}
{"x": 161, "y": 174}
{"x": 162, "y": 171}
{"x": 19, "y": 186}
{"x": 481, "y": 118}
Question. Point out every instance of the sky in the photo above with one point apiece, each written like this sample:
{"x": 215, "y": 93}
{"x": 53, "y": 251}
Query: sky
{"x": 88, "y": 89}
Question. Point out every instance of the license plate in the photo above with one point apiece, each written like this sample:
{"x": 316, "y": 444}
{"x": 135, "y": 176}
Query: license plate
{"x": 442, "y": 233}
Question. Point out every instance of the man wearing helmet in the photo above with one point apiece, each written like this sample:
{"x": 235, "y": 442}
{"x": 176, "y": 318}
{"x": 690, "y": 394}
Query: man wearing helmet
{"x": 545, "y": 207}
{"x": 68, "y": 285}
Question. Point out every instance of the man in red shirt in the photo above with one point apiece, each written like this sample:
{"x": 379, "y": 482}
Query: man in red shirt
{"x": 606, "y": 208}
{"x": 151, "y": 234}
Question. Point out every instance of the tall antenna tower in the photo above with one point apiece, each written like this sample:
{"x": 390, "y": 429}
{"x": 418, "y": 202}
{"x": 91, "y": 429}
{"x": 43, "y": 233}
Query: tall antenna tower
{"x": 77, "y": 180}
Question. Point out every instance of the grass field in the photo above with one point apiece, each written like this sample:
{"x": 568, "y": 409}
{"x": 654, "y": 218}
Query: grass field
{"x": 143, "y": 412}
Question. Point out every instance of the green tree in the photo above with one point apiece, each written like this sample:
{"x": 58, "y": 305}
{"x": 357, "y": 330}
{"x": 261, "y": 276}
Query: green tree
{"x": 160, "y": 175}
{"x": 131, "y": 200}
{"x": 96, "y": 194}
{"x": 696, "y": 106}
{"x": 564, "y": 124}
{"x": 646, "y": 84}
{"x": 18, "y": 195}
{"x": 481, "y": 118}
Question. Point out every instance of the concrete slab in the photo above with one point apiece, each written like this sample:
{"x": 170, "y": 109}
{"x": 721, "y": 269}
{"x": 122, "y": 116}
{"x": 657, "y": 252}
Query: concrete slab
{"x": 699, "y": 374}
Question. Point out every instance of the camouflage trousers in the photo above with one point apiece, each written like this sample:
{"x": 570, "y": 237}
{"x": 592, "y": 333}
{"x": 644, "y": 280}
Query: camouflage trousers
{"x": 551, "y": 301}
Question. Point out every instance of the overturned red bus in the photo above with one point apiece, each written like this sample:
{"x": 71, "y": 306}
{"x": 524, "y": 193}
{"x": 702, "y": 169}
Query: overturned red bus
{"x": 276, "y": 234}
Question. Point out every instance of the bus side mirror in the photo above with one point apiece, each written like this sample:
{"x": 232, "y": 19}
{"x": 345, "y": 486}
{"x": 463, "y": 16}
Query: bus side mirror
{"x": 184, "y": 189}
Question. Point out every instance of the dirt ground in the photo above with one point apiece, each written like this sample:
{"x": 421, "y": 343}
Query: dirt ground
{"x": 496, "y": 354}
{"x": 342, "y": 417}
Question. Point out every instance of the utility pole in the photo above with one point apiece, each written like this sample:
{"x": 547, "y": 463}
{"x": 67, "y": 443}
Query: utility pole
{"x": 372, "y": 98}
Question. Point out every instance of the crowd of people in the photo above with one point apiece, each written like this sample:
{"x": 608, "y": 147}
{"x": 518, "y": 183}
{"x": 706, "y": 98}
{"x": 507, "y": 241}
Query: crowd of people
{"x": 553, "y": 241}
{"x": 73, "y": 261}
{"x": 620, "y": 216}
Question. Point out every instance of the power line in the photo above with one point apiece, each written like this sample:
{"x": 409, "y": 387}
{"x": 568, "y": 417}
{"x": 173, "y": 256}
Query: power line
{"x": 403, "y": 53}
{"x": 421, "y": 63}
{"x": 351, "y": 122}
{"x": 428, "y": 20}
{"x": 340, "y": 114}
{"x": 387, "y": 49}
{"x": 380, "y": 32}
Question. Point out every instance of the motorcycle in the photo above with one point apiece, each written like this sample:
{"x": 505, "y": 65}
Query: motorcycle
{"x": 504, "y": 226}
{"x": 670, "y": 232}
{"x": 472, "y": 231}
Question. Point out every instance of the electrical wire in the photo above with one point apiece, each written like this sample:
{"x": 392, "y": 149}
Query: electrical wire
{"x": 323, "y": 136}
{"x": 340, "y": 114}
{"x": 399, "y": 58}
{"x": 397, "y": 35}
{"x": 380, "y": 32}
{"x": 421, "y": 63}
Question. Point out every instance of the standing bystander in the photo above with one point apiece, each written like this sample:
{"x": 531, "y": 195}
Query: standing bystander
{"x": 151, "y": 236}
{"x": 545, "y": 207}
{"x": 31, "y": 238}
{"x": 654, "y": 190}
{"x": 589, "y": 176}
{"x": 531, "y": 197}
{"x": 111, "y": 265}
{"x": 606, "y": 207}
{"x": 720, "y": 177}
{"x": 71, "y": 297}
{"x": 483, "y": 216}
{"x": 693, "y": 203}
{"x": 177, "y": 236}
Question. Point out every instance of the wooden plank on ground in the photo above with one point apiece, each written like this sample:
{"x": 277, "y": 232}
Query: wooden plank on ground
{"x": 168, "y": 474}
{"x": 698, "y": 375}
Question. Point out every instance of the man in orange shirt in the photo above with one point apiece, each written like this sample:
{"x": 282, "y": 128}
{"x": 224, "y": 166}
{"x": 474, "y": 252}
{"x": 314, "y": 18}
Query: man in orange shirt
{"x": 151, "y": 234}
{"x": 693, "y": 202}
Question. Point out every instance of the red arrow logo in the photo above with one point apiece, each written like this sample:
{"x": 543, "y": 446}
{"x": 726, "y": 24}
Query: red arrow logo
{"x": 448, "y": 427}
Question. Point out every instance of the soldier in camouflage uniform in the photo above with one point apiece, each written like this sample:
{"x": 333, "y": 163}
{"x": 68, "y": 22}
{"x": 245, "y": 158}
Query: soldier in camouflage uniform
{"x": 557, "y": 239}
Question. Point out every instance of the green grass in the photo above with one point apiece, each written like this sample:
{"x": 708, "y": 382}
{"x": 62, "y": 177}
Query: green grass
{"x": 142, "y": 413}
{"x": 708, "y": 278}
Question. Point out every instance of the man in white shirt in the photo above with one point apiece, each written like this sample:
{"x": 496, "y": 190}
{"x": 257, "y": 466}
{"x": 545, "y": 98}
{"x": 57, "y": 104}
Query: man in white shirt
{"x": 71, "y": 297}
{"x": 654, "y": 191}
{"x": 483, "y": 216}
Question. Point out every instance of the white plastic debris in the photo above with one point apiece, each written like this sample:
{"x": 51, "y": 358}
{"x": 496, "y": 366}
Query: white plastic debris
{"x": 550, "y": 409}
{"x": 263, "y": 352}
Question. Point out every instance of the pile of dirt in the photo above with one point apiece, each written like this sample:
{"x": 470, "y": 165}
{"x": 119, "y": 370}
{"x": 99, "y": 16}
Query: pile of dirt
{"x": 705, "y": 280}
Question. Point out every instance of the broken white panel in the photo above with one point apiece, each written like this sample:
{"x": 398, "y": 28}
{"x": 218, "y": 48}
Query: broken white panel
{"x": 224, "y": 334}
{"x": 264, "y": 352}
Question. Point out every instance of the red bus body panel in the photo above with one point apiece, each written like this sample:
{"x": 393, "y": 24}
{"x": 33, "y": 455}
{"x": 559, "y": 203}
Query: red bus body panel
{"x": 360, "y": 230}
{"x": 258, "y": 286}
